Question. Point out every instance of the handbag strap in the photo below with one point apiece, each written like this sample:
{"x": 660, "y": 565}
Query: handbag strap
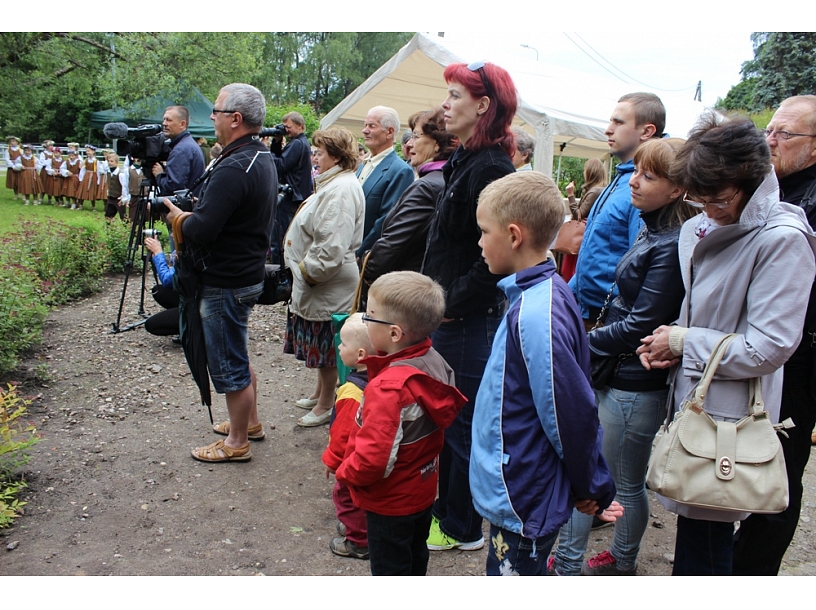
{"x": 757, "y": 406}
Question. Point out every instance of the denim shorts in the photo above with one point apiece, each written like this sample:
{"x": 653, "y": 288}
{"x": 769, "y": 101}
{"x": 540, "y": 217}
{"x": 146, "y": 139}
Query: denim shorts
{"x": 224, "y": 316}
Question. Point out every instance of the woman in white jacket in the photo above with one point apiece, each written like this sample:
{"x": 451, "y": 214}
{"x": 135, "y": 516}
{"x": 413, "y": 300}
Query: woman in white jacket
{"x": 747, "y": 265}
{"x": 319, "y": 249}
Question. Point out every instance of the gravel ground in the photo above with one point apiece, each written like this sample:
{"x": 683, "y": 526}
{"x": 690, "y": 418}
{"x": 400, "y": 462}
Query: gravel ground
{"x": 113, "y": 489}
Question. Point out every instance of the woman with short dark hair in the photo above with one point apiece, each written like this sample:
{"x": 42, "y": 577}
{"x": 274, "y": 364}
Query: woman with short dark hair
{"x": 747, "y": 265}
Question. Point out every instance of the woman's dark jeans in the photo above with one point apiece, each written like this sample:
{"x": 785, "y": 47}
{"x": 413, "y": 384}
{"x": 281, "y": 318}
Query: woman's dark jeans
{"x": 465, "y": 345}
{"x": 703, "y": 548}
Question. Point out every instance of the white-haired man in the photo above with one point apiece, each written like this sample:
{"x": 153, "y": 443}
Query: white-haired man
{"x": 384, "y": 176}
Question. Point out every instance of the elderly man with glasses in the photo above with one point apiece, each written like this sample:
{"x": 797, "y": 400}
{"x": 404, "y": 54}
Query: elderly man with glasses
{"x": 228, "y": 234}
{"x": 762, "y": 540}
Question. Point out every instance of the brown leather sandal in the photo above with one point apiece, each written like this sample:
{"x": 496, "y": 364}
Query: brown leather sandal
{"x": 219, "y": 452}
{"x": 254, "y": 433}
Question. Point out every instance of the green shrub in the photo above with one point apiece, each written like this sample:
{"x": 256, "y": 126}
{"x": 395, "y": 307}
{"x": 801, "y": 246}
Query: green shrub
{"x": 47, "y": 263}
{"x": 69, "y": 261}
{"x": 22, "y": 313}
{"x": 16, "y": 436}
{"x": 117, "y": 235}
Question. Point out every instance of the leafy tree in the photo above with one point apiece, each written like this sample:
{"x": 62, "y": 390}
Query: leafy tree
{"x": 784, "y": 64}
{"x": 50, "y": 82}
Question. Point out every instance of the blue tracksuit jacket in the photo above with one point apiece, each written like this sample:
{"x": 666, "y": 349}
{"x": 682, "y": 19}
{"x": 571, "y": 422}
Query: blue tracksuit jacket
{"x": 536, "y": 436}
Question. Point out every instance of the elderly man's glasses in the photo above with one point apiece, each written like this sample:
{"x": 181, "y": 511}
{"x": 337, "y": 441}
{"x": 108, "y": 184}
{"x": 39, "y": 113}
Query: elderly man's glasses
{"x": 721, "y": 205}
{"x": 786, "y": 135}
{"x": 478, "y": 66}
{"x": 216, "y": 111}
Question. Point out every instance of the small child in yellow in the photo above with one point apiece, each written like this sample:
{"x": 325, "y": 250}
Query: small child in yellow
{"x": 354, "y": 346}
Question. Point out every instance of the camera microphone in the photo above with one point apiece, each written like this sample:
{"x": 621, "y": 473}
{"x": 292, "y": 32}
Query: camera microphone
{"x": 115, "y": 131}
{"x": 121, "y": 130}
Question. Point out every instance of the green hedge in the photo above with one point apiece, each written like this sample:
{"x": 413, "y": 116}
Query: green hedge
{"x": 45, "y": 264}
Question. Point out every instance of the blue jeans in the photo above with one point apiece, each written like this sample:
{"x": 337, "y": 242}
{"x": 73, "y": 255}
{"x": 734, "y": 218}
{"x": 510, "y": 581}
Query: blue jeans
{"x": 630, "y": 421}
{"x": 703, "y": 548}
{"x": 465, "y": 345}
{"x": 224, "y": 317}
{"x": 397, "y": 545}
{"x": 510, "y": 554}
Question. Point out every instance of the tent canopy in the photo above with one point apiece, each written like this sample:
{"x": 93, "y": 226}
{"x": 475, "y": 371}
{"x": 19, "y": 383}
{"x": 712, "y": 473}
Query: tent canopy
{"x": 566, "y": 112}
{"x": 151, "y": 110}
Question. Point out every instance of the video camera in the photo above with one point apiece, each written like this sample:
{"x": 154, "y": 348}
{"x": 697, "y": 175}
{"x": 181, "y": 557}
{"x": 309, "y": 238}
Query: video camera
{"x": 147, "y": 143}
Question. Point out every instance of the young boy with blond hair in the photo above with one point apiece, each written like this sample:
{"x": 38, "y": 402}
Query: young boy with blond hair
{"x": 536, "y": 448}
{"x": 392, "y": 459}
{"x": 351, "y": 519}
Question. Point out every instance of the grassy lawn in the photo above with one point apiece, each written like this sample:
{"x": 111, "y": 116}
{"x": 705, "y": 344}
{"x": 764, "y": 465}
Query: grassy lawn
{"x": 14, "y": 213}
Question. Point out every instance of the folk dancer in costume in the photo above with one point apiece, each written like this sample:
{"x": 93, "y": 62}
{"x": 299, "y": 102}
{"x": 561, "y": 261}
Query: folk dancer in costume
{"x": 45, "y": 158}
{"x": 117, "y": 184}
{"x": 52, "y": 182}
{"x": 89, "y": 178}
{"x": 12, "y": 156}
{"x": 70, "y": 171}
{"x": 133, "y": 167}
{"x": 102, "y": 185}
{"x": 28, "y": 180}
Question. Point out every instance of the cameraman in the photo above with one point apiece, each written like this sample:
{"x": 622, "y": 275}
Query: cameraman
{"x": 293, "y": 163}
{"x": 185, "y": 163}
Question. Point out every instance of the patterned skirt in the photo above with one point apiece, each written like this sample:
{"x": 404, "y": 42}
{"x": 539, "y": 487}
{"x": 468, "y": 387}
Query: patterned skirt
{"x": 312, "y": 342}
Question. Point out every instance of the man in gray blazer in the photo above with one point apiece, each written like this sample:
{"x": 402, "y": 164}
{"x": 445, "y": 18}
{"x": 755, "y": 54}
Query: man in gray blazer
{"x": 383, "y": 176}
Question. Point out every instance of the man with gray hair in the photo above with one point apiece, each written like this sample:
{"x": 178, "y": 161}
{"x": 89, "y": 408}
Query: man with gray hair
{"x": 762, "y": 540}
{"x": 384, "y": 176}
{"x": 525, "y": 147}
{"x": 229, "y": 231}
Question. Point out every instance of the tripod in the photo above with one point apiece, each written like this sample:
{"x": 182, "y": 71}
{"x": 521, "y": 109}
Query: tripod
{"x": 142, "y": 219}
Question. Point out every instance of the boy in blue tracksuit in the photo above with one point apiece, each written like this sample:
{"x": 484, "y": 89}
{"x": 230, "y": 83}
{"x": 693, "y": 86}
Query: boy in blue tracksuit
{"x": 536, "y": 449}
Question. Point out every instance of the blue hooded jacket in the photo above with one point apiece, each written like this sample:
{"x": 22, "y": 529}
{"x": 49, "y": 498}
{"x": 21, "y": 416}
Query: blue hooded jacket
{"x": 612, "y": 228}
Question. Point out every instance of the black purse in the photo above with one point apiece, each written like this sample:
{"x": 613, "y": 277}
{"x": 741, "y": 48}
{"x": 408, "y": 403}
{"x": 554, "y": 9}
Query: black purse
{"x": 602, "y": 369}
{"x": 277, "y": 285}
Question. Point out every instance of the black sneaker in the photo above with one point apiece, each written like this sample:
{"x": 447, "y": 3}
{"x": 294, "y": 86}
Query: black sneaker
{"x": 345, "y": 548}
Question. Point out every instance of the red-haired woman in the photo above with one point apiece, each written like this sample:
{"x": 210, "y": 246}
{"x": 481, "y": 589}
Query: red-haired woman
{"x": 479, "y": 108}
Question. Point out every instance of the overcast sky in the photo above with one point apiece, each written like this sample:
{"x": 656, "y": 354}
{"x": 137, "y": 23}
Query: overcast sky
{"x": 662, "y": 61}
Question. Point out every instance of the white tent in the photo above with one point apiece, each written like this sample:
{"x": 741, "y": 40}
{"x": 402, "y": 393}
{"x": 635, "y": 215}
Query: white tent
{"x": 566, "y": 111}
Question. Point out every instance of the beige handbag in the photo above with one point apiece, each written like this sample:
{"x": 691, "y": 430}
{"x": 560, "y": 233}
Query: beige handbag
{"x": 737, "y": 466}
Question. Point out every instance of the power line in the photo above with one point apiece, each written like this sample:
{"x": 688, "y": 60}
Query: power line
{"x": 618, "y": 69}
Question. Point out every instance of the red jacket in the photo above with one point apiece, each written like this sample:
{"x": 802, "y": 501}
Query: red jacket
{"x": 392, "y": 456}
{"x": 346, "y": 406}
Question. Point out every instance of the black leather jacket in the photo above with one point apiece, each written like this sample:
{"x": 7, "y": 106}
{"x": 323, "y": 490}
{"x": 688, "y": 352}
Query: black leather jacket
{"x": 405, "y": 230}
{"x": 453, "y": 256}
{"x": 650, "y": 294}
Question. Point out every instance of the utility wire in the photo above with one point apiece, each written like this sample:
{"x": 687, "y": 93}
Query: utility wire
{"x": 618, "y": 69}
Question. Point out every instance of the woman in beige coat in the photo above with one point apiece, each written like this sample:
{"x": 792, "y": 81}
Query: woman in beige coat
{"x": 319, "y": 249}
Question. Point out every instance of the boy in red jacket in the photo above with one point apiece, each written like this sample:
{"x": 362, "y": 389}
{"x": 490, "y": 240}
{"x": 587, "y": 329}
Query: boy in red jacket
{"x": 351, "y": 519}
{"x": 392, "y": 457}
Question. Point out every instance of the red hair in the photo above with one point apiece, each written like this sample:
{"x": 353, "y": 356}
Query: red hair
{"x": 494, "y": 125}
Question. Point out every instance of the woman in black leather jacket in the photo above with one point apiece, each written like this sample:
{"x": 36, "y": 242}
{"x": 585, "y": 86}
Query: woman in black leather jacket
{"x": 633, "y": 404}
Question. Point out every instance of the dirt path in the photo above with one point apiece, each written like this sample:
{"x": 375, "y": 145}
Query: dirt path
{"x": 113, "y": 489}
